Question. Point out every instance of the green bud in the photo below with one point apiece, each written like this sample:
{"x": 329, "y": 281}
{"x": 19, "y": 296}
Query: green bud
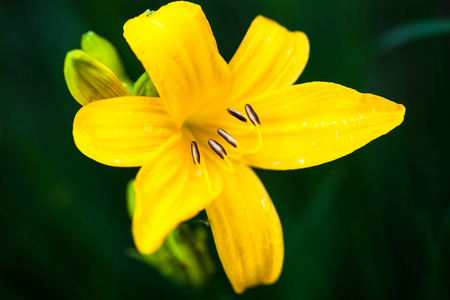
{"x": 183, "y": 258}
{"x": 144, "y": 87}
{"x": 105, "y": 52}
{"x": 89, "y": 80}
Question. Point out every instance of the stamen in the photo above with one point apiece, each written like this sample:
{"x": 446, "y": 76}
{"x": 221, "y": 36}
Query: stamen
{"x": 230, "y": 166}
{"x": 252, "y": 114}
{"x": 195, "y": 153}
{"x": 256, "y": 125}
{"x": 220, "y": 150}
{"x": 237, "y": 115}
{"x": 256, "y": 149}
{"x": 216, "y": 147}
{"x": 200, "y": 167}
{"x": 227, "y": 137}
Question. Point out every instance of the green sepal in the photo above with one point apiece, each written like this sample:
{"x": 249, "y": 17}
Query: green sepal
{"x": 144, "y": 87}
{"x": 89, "y": 80}
{"x": 105, "y": 52}
{"x": 184, "y": 257}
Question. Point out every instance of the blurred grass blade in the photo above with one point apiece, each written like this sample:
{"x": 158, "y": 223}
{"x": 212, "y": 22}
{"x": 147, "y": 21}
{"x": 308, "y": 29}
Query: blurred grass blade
{"x": 130, "y": 198}
{"x": 411, "y": 32}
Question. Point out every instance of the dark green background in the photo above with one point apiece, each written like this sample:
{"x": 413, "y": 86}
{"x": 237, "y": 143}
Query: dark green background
{"x": 372, "y": 225}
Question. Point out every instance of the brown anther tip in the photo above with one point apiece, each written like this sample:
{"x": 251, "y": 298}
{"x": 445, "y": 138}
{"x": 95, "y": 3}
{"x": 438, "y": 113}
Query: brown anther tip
{"x": 195, "y": 153}
{"x": 216, "y": 147}
{"x": 227, "y": 137}
{"x": 252, "y": 114}
{"x": 237, "y": 115}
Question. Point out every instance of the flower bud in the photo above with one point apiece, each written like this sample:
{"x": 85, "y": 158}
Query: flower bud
{"x": 105, "y": 52}
{"x": 89, "y": 80}
{"x": 144, "y": 87}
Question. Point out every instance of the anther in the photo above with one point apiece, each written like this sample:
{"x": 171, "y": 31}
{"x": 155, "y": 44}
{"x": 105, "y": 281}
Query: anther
{"x": 195, "y": 153}
{"x": 252, "y": 114}
{"x": 216, "y": 147}
{"x": 237, "y": 115}
{"x": 227, "y": 137}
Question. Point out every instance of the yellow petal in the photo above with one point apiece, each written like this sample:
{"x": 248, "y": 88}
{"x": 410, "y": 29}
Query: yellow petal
{"x": 169, "y": 190}
{"x": 269, "y": 57}
{"x": 313, "y": 123}
{"x": 124, "y": 131}
{"x": 247, "y": 231}
{"x": 177, "y": 49}
{"x": 89, "y": 80}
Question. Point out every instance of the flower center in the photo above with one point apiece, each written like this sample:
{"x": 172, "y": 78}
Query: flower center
{"x": 238, "y": 150}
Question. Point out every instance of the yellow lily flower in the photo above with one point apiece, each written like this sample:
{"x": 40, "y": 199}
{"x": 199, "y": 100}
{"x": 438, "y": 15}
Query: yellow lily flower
{"x": 196, "y": 144}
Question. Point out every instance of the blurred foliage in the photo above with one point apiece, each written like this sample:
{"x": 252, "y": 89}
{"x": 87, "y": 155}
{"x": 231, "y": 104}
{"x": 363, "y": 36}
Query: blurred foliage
{"x": 372, "y": 225}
